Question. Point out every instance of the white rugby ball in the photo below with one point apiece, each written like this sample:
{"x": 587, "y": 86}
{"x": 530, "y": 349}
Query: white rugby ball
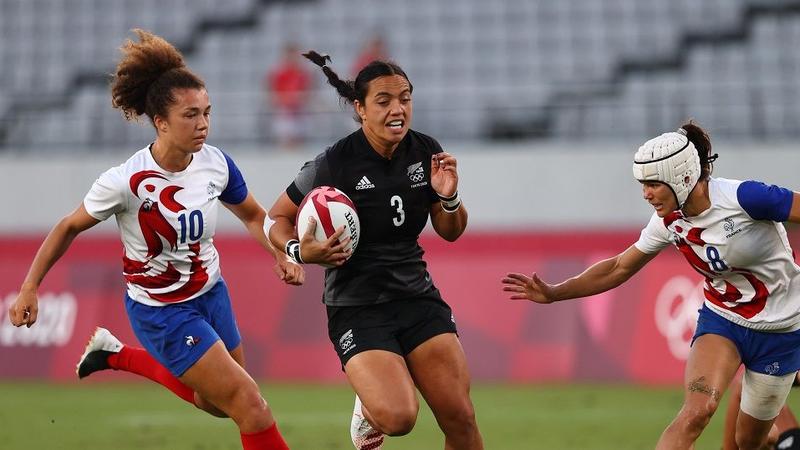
{"x": 331, "y": 208}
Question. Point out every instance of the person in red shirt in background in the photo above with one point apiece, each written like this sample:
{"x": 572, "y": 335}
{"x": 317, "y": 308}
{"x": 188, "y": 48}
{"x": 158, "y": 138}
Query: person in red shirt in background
{"x": 373, "y": 50}
{"x": 288, "y": 86}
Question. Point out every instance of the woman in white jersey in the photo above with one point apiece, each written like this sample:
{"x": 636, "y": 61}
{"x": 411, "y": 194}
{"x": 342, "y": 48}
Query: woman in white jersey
{"x": 731, "y": 233}
{"x": 165, "y": 199}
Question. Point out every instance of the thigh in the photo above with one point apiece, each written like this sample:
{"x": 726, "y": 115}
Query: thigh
{"x": 215, "y": 365}
{"x": 382, "y": 381}
{"x": 439, "y": 369}
{"x": 713, "y": 361}
{"x": 238, "y": 355}
{"x": 763, "y": 396}
{"x": 175, "y": 335}
{"x": 217, "y": 310}
{"x": 356, "y": 329}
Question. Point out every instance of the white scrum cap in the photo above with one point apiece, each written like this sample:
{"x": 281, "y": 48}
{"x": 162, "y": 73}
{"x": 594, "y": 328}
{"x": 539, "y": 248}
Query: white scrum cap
{"x": 671, "y": 159}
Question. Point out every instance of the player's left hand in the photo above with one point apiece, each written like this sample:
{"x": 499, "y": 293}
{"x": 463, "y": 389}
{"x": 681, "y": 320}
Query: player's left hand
{"x": 289, "y": 271}
{"x": 444, "y": 174}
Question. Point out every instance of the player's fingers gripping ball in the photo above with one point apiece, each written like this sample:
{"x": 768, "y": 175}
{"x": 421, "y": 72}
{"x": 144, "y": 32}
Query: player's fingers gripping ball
{"x": 331, "y": 209}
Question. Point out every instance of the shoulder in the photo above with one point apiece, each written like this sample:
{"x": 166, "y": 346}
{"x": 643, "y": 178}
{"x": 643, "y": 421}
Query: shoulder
{"x": 213, "y": 155}
{"x": 136, "y": 165}
{"x": 349, "y": 146}
{"x": 724, "y": 191}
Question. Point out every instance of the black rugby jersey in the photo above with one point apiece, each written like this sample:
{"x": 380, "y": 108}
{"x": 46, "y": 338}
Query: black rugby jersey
{"x": 393, "y": 199}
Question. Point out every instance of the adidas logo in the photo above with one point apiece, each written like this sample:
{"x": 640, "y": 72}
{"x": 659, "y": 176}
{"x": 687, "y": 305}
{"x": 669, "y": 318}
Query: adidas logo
{"x": 364, "y": 183}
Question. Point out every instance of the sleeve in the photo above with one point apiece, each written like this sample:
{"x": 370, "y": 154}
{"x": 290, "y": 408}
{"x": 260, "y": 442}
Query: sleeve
{"x": 313, "y": 173}
{"x": 654, "y": 236}
{"x": 236, "y": 190}
{"x": 765, "y": 202}
{"x": 107, "y": 195}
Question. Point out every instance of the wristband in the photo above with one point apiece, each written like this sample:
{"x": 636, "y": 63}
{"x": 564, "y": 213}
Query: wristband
{"x": 293, "y": 250}
{"x": 450, "y": 204}
{"x": 451, "y": 209}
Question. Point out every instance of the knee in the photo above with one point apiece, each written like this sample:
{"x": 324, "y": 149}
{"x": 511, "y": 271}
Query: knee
{"x": 251, "y": 402}
{"x": 247, "y": 406}
{"x": 693, "y": 419}
{"x": 207, "y": 406}
{"x": 460, "y": 419}
{"x": 395, "y": 421}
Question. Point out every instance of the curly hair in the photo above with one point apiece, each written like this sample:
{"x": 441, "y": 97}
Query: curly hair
{"x": 146, "y": 75}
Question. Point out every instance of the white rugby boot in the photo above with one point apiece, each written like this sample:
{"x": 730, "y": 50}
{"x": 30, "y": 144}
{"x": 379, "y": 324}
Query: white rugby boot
{"x": 95, "y": 356}
{"x": 364, "y": 436}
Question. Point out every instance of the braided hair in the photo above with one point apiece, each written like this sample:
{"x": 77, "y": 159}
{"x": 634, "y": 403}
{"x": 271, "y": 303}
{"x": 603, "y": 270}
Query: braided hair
{"x": 352, "y": 90}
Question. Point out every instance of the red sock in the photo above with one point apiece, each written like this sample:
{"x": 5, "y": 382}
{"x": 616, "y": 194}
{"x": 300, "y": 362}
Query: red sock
{"x": 269, "y": 439}
{"x": 138, "y": 361}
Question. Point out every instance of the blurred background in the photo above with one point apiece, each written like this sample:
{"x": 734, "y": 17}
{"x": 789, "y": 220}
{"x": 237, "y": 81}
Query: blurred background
{"x": 543, "y": 102}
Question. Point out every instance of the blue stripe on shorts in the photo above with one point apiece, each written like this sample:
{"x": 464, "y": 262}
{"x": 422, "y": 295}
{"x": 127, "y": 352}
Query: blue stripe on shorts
{"x": 768, "y": 353}
{"x": 179, "y": 334}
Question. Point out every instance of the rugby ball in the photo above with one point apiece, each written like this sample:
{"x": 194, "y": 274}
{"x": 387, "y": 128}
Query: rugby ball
{"x": 331, "y": 208}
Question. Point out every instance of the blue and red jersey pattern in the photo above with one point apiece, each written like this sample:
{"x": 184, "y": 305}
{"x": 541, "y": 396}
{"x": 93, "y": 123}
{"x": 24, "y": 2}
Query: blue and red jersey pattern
{"x": 740, "y": 247}
{"x": 167, "y": 221}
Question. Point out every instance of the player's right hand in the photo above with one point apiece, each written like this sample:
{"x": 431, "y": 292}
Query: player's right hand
{"x": 289, "y": 272}
{"x": 331, "y": 251}
{"x": 25, "y": 309}
{"x": 531, "y": 288}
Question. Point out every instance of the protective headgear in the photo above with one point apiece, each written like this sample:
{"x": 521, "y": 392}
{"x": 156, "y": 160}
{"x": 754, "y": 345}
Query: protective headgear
{"x": 670, "y": 159}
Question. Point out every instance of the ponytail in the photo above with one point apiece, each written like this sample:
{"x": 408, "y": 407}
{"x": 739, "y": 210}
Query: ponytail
{"x": 345, "y": 88}
{"x": 702, "y": 143}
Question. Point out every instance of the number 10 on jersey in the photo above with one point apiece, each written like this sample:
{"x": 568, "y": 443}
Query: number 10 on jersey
{"x": 194, "y": 223}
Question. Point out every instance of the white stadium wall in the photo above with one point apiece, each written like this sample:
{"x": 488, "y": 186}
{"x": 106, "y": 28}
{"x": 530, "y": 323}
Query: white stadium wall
{"x": 536, "y": 185}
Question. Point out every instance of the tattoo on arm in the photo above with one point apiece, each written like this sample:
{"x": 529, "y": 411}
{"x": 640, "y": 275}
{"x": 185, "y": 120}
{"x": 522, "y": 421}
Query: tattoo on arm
{"x": 699, "y": 385}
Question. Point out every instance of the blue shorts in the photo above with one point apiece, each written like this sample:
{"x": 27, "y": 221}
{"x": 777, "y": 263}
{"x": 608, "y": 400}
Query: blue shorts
{"x": 177, "y": 335}
{"x": 768, "y": 353}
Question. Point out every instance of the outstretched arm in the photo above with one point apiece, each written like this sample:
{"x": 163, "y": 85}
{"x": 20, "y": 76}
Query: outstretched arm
{"x": 600, "y": 277}
{"x": 25, "y": 309}
{"x": 252, "y": 215}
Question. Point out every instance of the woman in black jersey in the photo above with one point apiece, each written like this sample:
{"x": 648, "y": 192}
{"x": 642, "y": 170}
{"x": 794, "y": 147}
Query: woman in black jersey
{"x": 386, "y": 319}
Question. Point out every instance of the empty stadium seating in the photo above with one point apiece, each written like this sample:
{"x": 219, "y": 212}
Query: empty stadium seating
{"x": 581, "y": 69}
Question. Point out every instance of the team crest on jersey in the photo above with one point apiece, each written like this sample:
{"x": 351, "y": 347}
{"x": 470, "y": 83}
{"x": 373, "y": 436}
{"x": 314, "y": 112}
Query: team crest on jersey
{"x": 728, "y": 224}
{"x": 729, "y": 227}
{"x": 416, "y": 173}
{"x": 212, "y": 190}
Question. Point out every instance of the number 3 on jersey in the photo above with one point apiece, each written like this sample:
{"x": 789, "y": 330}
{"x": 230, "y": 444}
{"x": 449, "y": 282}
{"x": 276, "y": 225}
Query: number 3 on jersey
{"x": 397, "y": 202}
{"x": 195, "y": 226}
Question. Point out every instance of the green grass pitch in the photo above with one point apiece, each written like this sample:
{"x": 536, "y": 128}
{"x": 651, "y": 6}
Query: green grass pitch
{"x": 143, "y": 416}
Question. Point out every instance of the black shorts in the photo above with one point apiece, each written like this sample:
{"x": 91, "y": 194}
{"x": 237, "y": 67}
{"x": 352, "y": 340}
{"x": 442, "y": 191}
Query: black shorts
{"x": 398, "y": 326}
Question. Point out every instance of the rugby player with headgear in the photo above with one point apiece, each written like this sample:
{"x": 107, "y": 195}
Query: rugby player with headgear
{"x": 731, "y": 232}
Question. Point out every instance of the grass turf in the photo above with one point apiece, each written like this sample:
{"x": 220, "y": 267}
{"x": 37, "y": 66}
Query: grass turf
{"x": 143, "y": 416}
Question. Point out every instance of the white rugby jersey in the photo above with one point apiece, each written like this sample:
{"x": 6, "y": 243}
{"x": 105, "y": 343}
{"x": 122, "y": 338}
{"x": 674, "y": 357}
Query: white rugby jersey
{"x": 167, "y": 221}
{"x": 741, "y": 248}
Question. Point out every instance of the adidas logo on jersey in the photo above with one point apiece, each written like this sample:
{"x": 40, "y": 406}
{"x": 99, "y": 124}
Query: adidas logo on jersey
{"x": 364, "y": 183}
